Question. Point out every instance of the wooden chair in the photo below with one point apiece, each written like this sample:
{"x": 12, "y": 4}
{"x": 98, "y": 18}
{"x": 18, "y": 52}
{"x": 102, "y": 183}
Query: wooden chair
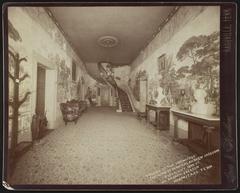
{"x": 70, "y": 112}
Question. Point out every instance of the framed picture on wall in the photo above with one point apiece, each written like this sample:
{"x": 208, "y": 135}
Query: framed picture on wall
{"x": 74, "y": 71}
{"x": 161, "y": 62}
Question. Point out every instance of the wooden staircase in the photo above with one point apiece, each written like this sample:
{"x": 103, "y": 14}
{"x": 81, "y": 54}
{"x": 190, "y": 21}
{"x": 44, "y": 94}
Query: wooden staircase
{"x": 122, "y": 95}
{"x": 124, "y": 100}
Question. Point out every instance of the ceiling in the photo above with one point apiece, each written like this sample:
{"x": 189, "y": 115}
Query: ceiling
{"x": 130, "y": 27}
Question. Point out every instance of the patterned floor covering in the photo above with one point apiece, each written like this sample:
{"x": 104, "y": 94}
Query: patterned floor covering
{"x": 104, "y": 147}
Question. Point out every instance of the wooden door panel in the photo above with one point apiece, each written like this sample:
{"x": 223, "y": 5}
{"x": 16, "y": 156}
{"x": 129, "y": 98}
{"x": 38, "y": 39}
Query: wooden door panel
{"x": 41, "y": 77}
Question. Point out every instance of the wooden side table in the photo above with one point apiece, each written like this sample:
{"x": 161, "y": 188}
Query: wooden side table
{"x": 162, "y": 113}
{"x": 208, "y": 124}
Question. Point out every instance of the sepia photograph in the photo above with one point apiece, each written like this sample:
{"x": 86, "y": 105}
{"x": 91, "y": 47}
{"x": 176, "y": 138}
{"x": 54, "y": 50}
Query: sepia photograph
{"x": 118, "y": 94}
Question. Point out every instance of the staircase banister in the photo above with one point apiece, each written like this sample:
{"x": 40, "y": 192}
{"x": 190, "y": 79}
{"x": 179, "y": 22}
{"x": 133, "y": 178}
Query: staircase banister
{"x": 102, "y": 69}
{"x": 134, "y": 102}
{"x": 127, "y": 90}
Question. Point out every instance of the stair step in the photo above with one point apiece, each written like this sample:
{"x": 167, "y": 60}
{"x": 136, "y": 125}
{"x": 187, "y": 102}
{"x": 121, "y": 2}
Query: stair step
{"x": 125, "y": 103}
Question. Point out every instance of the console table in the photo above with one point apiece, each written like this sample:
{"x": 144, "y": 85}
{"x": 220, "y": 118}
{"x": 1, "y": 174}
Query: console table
{"x": 162, "y": 115}
{"x": 208, "y": 124}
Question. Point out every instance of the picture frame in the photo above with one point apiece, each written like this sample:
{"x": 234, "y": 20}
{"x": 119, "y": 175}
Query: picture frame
{"x": 162, "y": 62}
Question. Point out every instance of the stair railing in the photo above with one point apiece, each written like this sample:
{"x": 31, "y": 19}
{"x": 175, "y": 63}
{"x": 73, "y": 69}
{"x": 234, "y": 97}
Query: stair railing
{"x": 106, "y": 76}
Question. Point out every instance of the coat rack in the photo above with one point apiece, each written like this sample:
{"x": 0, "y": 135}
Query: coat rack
{"x": 16, "y": 102}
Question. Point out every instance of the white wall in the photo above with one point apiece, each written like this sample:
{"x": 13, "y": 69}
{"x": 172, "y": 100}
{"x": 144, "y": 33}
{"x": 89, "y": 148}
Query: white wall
{"x": 42, "y": 42}
{"x": 187, "y": 22}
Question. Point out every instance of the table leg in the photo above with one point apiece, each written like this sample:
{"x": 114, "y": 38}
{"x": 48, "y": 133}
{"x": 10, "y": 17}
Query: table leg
{"x": 168, "y": 120}
{"x": 175, "y": 132}
{"x": 157, "y": 119}
{"x": 189, "y": 131}
{"x": 209, "y": 134}
{"x": 147, "y": 116}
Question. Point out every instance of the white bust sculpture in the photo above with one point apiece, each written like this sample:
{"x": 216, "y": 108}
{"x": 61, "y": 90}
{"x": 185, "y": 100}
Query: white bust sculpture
{"x": 200, "y": 107}
{"x": 160, "y": 96}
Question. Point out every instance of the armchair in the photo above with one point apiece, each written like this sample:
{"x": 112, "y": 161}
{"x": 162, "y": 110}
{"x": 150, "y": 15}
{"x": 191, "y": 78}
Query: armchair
{"x": 70, "y": 112}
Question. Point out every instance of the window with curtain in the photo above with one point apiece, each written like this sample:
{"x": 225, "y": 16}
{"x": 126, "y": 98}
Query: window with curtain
{"x": 162, "y": 62}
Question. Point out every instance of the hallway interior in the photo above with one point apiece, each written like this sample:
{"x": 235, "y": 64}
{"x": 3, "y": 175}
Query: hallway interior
{"x": 136, "y": 86}
{"x": 104, "y": 147}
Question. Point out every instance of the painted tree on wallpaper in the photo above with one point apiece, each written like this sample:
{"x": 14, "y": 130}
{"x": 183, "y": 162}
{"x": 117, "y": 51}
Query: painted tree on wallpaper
{"x": 18, "y": 97}
{"x": 185, "y": 90}
{"x": 19, "y": 100}
{"x": 168, "y": 81}
{"x": 14, "y": 101}
{"x": 203, "y": 51}
{"x": 63, "y": 80}
{"x": 164, "y": 89}
{"x": 13, "y": 33}
{"x": 140, "y": 75}
{"x": 79, "y": 88}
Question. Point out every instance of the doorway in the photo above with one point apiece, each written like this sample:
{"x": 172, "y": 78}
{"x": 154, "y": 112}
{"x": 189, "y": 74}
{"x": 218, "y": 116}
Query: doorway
{"x": 40, "y": 94}
{"x": 143, "y": 94}
{"x": 104, "y": 96}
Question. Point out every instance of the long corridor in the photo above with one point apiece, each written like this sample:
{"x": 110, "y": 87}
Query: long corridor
{"x": 104, "y": 147}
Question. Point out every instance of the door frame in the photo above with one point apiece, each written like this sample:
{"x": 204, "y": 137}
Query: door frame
{"x": 39, "y": 65}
